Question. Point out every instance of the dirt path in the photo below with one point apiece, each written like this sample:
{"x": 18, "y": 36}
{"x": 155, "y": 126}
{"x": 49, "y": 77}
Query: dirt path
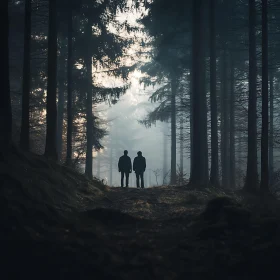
{"x": 164, "y": 244}
{"x": 161, "y": 216}
{"x": 162, "y": 203}
{"x": 56, "y": 224}
{"x": 158, "y": 214}
{"x": 157, "y": 241}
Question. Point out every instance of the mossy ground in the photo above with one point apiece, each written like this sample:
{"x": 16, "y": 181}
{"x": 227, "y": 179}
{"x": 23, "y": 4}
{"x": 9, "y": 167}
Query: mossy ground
{"x": 56, "y": 224}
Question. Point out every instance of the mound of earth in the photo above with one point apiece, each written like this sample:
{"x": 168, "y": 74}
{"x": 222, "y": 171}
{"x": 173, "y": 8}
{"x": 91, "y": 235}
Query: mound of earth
{"x": 31, "y": 181}
{"x": 56, "y": 224}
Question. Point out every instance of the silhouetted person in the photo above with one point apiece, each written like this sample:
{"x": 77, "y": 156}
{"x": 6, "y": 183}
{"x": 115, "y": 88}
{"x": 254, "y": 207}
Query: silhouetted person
{"x": 139, "y": 166}
{"x": 125, "y": 167}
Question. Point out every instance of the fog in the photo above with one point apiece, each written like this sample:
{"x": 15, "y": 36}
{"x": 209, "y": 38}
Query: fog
{"x": 125, "y": 132}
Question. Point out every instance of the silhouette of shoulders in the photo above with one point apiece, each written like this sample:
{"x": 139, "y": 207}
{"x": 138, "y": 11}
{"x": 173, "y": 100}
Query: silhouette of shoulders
{"x": 125, "y": 157}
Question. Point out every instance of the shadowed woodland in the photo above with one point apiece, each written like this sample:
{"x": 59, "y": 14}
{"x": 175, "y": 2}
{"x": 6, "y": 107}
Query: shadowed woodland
{"x": 204, "y": 74}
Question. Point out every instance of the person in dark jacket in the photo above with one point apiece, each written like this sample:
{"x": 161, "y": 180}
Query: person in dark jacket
{"x": 139, "y": 166}
{"x": 125, "y": 167}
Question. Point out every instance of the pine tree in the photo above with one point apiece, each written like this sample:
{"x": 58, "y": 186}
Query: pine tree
{"x": 5, "y": 103}
{"x": 50, "y": 149}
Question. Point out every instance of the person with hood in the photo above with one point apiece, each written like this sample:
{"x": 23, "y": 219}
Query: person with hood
{"x": 125, "y": 167}
{"x": 139, "y": 166}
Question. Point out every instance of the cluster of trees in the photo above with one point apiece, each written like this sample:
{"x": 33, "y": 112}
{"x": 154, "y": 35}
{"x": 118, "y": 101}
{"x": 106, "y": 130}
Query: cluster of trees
{"x": 63, "y": 43}
{"x": 214, "y": 66}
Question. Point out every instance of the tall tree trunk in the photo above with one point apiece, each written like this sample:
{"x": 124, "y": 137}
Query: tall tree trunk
{"x": 5, "y": 103}
{"x": 204, "y": 124}
{"x": 24, "y": 133}
{"x": 271, "y": 129}
{"x": 98, "y": 165}
{"x": 199, "y": 169}
{"x": 50, "y": 150}
{"x": 225, "y": 122}
{"x": 181, "y": 150}
{"x": 61, "y": 100}
{"x": 252, "y": 168}
{"x": 214, "y": 174}
{"x": 89, "y": 116}
{"x": 69, "y": 86}
{"x": 191, "y": 129}
{"x": 173, "y": 131}
{"x": 232, "y": 127}
{"x": 111, "y": 167}
{"x": 239, "y": 155}
{"x": 164, "y": 169}
{"x": 264, "y": 138}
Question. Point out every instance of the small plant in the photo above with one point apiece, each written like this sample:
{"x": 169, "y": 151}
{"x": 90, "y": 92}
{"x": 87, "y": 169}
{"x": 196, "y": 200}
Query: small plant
{"x": 156, "y": 173}
{"x": 181, "y": 177}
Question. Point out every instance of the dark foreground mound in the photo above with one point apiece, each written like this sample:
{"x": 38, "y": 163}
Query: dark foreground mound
{"x": 42, "y": 235}
{"x": 55, "y": 224}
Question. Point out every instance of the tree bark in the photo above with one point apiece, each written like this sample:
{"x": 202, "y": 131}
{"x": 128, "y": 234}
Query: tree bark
{"x": 191, "y": 128}
{"x": 225, "y": 122}
{"x": 61, "y": 101}
{"x": 239, "y": 156}
{"x": 173, "y": 131}
{"x": 111, "y": 166}
{"x": 199, "y": 169}
{"x": 264, "y": 138}
{"x": 26, "y": 82}
{"x": 98, "y": 165}
{"x": 5, "y": 103}
{"x": 50, "y": 149}
{"x": 69, "y": 86}
{"x": 181, "y": 150}
{"x": 181, "y": 143}
{"x": 164, "y": 169}
{"x": 214, "y": 174}
{"x": 204, "y": 124}
{"x": 271, "y": 129}
{"x": 252, "y": 168}
{"x": 232, "y": 128}
{"x": 89, "y": 116}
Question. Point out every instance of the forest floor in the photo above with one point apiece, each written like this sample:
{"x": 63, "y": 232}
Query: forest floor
{"x": 56, "y": 224}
